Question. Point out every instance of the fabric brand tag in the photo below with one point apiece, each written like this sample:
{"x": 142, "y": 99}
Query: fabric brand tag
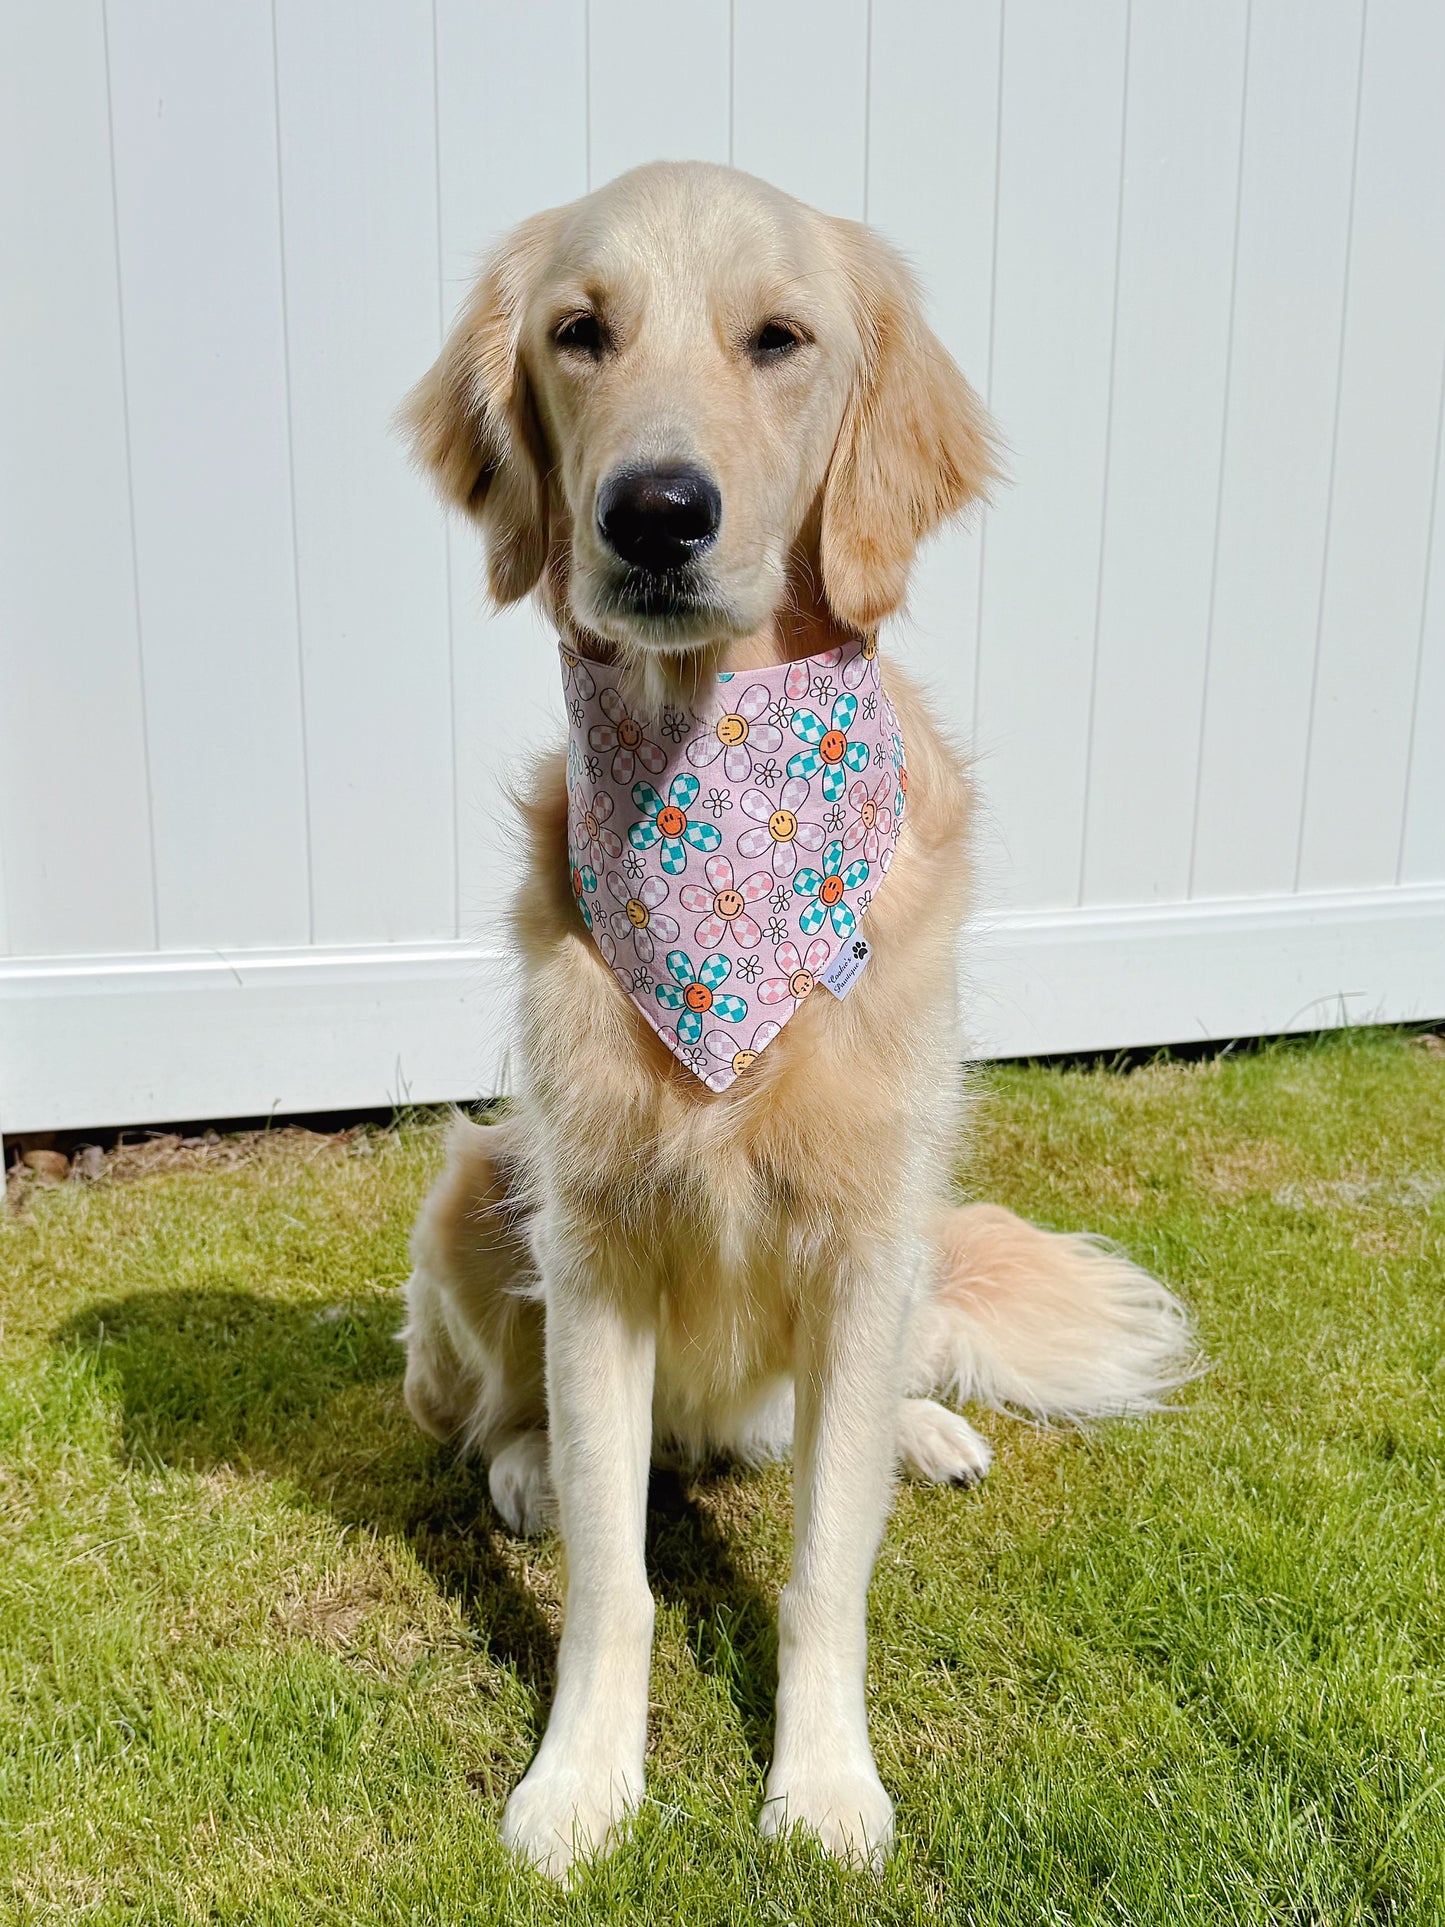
{"x": 847, "y": 967}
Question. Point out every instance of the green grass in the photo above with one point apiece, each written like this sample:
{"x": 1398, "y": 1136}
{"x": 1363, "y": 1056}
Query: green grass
{"x": 266, "y": 1658}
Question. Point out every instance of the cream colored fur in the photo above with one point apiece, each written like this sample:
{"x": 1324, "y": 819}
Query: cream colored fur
{"x": 630, "y": 1264}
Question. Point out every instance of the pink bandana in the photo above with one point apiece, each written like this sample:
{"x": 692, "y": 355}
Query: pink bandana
{"x": 723, "y": 859}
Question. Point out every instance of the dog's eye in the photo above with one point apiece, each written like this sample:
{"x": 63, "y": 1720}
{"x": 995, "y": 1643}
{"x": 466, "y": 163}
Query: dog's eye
{"x": 582, "y": 333}
{"x": 774, "y": 340}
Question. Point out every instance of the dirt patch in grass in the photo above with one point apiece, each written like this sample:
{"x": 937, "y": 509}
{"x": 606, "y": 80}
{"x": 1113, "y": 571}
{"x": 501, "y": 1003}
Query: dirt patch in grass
{"x": 163, "y": 1153}
{"x": 1250, "y": 1168}
{"x": 1400, "y": 1191}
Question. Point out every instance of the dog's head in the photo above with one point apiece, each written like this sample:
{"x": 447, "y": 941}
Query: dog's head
{"x": 682, "y": 400}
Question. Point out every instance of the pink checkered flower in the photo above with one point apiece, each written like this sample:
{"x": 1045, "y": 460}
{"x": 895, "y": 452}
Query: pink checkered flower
{"x": 724, "y": 904}
{"x": 737, "y": 736}
{"x": 781, "y": 829}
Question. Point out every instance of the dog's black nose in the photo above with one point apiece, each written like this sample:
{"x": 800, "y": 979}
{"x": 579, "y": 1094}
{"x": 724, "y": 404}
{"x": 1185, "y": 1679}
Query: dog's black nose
{"x": 658, "y": 518}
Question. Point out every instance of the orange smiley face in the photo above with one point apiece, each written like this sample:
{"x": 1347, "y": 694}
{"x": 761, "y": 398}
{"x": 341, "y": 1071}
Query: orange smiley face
{"x": 732, "y": 729}
{"x": 868, "y": 815}
{"x": 671, "y": 821}
{"x": 834, "y": 746}
{"x": 831, "y": 890}
{"x": 697, "y": 997}
{"x": 782, "y": 826}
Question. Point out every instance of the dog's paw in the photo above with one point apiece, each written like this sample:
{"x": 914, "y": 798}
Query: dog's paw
{"x": 560, "y": 1815}
{"x": 937, "y": 1445}
{"x": 845, "y": 1807}
{"x": 520, "y": 1481}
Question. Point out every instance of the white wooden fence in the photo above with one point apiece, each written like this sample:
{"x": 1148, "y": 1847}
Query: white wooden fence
{"x": 251, "y": 710}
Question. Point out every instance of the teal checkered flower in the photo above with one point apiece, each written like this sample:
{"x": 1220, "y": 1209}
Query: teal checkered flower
{"x": 693, "y": 993}
{"x": 826, "y": 887}
{"x": 667, "y": 823}
{"x": 584, "y": 883}
{"x": 828, "y": 747}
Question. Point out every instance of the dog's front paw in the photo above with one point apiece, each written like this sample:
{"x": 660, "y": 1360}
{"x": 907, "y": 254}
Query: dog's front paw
{"x": 845, "y": 1806}
{"x": 559, "y": 1815}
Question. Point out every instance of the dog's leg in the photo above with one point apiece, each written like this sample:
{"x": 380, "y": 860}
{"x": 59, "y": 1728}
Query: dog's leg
{"x": 588, "y": 1771}
{"x": 844, "y": 1442}
{"x": 474, "y": 1331}
{"x": 440, "y": 1394}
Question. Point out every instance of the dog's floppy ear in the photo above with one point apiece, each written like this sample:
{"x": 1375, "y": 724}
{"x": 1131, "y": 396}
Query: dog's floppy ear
{"x": 472, "y": 423}
{"x": 915, "y": 446}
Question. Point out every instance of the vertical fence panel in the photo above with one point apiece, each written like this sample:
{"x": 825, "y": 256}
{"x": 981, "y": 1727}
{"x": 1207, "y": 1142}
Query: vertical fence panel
{"x": 1181, "y": 151}
{"x": 1059, "y": 162}
{"x": 800, "y": 99}
{"x": 194, "y": 102}
{"x": 1422, "y": 843}
{"x": 931, "y": 188}
{"x": 511, "y": 138}
{"x": 658, "y": 83}
{"x": 1384, "y": 460}
{"x": 358, "y": 200}
{"x": 1284, "y": 367}
{"x": 74, "y": 808}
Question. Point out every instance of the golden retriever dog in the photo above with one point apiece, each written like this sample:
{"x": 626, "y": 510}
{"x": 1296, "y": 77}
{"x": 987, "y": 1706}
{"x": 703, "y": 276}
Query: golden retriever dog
{"x": 709, "y": 428}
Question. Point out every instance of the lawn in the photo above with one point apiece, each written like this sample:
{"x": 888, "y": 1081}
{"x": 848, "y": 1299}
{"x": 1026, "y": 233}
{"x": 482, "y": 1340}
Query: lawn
{"x": 267, "y": 1657}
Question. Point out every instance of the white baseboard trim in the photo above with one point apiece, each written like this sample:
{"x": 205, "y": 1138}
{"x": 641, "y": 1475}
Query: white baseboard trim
{"x": 109, "y": 1040}
{"x": 90, "y": 1041}
{"x": 1105, "y": 979}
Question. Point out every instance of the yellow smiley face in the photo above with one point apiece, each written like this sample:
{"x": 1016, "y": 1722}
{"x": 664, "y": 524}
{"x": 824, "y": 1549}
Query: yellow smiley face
{"x": 638, "y": 914}
{"x": 732, "y": 729}
{"x": 728, "y": 904}
{"x": 782, "y": 826}
{"x": 628, "y": 734}
{"x": 742, "y": 1059}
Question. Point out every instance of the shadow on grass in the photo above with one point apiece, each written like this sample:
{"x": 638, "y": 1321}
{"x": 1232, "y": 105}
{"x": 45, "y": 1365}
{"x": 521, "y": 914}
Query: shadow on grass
{"x": 311, "y": 1397}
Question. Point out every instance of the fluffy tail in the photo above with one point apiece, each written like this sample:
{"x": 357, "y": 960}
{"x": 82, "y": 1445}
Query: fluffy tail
{"x": 1057, "y": 1325}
